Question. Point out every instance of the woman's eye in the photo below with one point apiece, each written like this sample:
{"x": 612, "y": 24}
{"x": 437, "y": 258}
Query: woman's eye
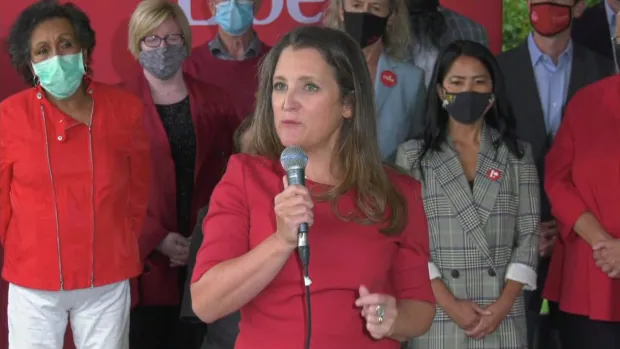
{"x": 312, "y": 87}
{"x": 279, "y": 86}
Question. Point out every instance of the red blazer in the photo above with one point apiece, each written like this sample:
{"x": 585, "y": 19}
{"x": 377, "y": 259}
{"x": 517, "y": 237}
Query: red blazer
{"x": 583, "y": 175}
{"x": 72, "y": 197}
{"x": 214, "y": 120}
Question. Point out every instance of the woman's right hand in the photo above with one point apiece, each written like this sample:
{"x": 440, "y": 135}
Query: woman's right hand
{"x": 465, "y": 313}
{"x": 293, "y": 206}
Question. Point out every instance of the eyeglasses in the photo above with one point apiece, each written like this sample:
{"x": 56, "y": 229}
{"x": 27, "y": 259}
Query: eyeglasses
{"x": 154, "y": 41}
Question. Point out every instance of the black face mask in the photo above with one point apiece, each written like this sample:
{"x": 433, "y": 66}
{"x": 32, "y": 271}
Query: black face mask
{"x": 364, "y": 27}
{"x": 467, "y": 107}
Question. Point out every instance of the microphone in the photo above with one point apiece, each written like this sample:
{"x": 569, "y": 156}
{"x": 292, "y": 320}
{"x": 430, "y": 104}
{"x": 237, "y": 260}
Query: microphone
{"x": 294, "y": 161}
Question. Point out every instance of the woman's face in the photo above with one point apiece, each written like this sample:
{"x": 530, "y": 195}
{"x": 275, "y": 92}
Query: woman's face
{"x": 170, "y": 30}
{"x": 53, "y": 37}
{"x": 466, "y": 74}
{"x": 306, "y": 100}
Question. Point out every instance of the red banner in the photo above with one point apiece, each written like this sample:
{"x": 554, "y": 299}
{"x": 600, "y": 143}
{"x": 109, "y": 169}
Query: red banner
{"x": 113, "y": 61}
{"x": 276, "y": 17}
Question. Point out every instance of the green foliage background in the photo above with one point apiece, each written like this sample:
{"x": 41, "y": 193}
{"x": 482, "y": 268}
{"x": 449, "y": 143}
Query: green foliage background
{"x": 517, "y": 23}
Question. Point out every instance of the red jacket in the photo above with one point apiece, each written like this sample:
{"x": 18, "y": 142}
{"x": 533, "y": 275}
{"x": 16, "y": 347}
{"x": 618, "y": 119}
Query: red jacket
{"x": 238, "y": 78}
{"x": 214, "y": 120}
{"x": 582, "y": 174}
{"x": 72, "y": 197}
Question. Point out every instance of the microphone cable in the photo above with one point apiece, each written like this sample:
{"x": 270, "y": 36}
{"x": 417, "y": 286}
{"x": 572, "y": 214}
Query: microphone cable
{"x": 304, "y": 255}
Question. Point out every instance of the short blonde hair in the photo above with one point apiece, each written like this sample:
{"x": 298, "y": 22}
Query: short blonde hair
{"x": 397, "y": 40}
{"x": 149, "y": 15}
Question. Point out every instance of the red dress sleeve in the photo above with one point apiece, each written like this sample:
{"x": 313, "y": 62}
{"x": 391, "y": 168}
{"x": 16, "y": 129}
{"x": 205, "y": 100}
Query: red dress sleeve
{"x": 409, "y": 272}
{"x": 227, "y": 224}
{"x": 566, "y": 203}
{"x": 139, "y": 169}
{"x": 5, "y": 176}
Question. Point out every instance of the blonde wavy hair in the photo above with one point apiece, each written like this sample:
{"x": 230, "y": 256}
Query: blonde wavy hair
{"x": 397, "y": 41}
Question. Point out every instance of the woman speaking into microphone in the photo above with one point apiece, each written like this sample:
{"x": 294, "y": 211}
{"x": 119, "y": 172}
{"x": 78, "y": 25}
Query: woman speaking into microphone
{"x": 368, "y": 234}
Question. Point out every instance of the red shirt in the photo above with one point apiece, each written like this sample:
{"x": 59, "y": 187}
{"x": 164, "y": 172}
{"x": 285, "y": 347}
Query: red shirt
{"x": 238, "y": 78}
{"x": 582, "y": 174}
{"x": 344, "y": 255}
{"x": 72, "y": 197}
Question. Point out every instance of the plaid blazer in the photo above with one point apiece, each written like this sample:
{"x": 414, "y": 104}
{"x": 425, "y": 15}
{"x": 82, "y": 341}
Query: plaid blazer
{"x": 476, "y": 234}
{"x": 459, "y": 27}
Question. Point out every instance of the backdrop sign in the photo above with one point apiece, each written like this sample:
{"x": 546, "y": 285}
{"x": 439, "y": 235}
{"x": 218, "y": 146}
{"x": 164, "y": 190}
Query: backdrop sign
{"x": 276, "y": 17}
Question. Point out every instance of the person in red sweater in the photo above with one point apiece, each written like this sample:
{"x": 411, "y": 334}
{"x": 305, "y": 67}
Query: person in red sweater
{"x": 74, "y": 186}
{"x": 191, "y": 126}
{"x": 231, "y": 59}
{"x": 582, "y": 180}
{"x": 370, "y": 285}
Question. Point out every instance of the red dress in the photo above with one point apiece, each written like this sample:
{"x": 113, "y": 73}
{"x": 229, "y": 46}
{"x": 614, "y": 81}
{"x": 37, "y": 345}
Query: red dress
{"x": 344, "y": 255}
{"x": 583, "y": 175}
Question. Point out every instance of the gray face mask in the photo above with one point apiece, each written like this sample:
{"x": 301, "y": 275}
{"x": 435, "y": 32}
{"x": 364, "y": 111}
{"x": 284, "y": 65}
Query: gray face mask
{"x": 163, "y": 62}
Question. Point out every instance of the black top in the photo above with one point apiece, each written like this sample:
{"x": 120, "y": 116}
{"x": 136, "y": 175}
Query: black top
{"x": 177, "y": 121}
{"x": 222, "y": 333}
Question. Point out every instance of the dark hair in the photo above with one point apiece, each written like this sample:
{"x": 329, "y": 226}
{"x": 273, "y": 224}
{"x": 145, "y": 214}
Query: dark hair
{"x": 377, "y": 200}
{"x": 243, "y": 127}
{"x": 427, "y": 23}
{"x": 21, "y": 32}
{"x": 499, "y": 117}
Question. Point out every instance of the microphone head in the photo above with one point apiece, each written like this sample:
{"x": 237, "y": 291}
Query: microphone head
{"x": 293, "y": 158}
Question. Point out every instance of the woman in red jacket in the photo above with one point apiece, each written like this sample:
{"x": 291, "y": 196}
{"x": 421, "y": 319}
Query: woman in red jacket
{"x": 368, "y": 235}
{"x": 582, "y": 181}
{"x": 74, "y": 182}
{"x": 191, "y": 127}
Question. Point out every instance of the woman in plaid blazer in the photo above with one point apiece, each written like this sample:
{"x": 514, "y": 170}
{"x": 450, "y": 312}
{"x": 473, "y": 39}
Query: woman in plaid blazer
{"x": 481, "y": 197}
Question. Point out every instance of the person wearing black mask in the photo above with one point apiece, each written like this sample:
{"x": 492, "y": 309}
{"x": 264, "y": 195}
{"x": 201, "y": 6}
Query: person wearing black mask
{"x": 381, "y": 27}
{"x": 481, "y": 198}
{"x": 542, "y": 74}
{"x": 433, "y": 27}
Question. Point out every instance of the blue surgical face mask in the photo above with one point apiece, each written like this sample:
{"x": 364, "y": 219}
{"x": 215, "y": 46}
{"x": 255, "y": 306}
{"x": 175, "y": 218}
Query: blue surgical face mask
{"x": 60, "y": 75}
{"x": 234, "y": 17}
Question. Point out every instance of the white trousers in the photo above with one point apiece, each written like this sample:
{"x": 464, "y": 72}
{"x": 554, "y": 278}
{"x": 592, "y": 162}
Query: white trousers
{"x": 99, "y": 317}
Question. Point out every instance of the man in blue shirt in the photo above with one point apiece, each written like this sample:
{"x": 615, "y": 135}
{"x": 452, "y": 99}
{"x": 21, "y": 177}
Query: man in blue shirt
{"x": 597, "y": 25}
{"x": 541, "y": 75}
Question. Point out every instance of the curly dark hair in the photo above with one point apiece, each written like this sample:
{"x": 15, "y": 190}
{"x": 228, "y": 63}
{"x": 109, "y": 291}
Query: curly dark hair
{"x": 19, "y": 38}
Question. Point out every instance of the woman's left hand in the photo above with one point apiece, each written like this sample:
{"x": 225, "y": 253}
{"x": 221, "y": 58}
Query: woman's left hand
{"x": 490, "y": 320}
{"x": 607, "y": 257}
{"x": 380, "y": 312}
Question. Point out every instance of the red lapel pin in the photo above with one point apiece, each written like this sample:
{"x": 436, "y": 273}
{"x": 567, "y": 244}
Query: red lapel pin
{"x": 494, "y": 174}
{"x": 388, "y": 78}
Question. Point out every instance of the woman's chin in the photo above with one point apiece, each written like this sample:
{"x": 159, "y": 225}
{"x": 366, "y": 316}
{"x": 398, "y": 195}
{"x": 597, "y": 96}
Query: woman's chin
{"x": 290, "y": 140}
